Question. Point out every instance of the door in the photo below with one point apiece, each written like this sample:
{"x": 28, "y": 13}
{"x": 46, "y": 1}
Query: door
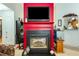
{"x": 8, "y": 27}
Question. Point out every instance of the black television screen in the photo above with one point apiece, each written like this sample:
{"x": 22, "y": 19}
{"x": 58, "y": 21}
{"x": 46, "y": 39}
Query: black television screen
{"x": 38, "y": 13}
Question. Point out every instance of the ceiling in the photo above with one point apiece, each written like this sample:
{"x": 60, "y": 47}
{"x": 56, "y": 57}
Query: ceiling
{"x": 3, "y": 7}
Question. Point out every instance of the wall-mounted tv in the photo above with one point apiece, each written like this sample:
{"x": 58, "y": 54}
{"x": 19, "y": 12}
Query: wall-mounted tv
{"x": 38, "y": 13}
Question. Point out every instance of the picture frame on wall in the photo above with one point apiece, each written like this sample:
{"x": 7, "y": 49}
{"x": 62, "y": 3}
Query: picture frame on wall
{"x": 60, "y": 22}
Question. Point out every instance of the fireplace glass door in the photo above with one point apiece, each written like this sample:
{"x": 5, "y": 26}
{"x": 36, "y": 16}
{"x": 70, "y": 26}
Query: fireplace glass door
{"x": 38, "y": 42}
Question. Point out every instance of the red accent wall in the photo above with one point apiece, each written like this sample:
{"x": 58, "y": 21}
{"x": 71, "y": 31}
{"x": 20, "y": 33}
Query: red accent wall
{"x": 39, "y": 25}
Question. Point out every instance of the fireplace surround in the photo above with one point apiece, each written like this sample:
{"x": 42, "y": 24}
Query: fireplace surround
{"x": 39, "y": 35}
{"x": 38, "y": 41}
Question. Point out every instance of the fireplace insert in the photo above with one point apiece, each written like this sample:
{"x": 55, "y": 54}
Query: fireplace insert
{"x": 38, "y": 41}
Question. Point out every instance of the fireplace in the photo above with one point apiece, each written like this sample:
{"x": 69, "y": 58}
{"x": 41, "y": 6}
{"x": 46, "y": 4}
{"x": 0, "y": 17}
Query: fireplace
{"x": 38, "y": 41}
{"x": 38, "y": 31}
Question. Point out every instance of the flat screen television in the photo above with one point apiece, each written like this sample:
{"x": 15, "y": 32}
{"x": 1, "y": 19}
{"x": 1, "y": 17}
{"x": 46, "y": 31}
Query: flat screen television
{"x": 38, "y": 13}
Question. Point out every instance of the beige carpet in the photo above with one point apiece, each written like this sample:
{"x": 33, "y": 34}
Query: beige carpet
{"x": 18, "y": 52}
